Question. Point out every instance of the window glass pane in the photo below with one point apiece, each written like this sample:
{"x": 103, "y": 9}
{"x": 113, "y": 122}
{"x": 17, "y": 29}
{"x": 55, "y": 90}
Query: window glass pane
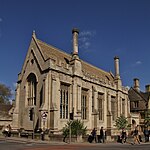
{"x": 64, "y": 101}
{"x": 100, "y": 105}
{"x": 84, "y": 103}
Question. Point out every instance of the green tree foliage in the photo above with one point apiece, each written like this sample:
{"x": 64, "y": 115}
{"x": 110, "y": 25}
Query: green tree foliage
{"x": 121, "y": 122}
{"x": 147, "y": 118}
{"x": 77, "y": 128}
{"x": 5, "y": 94}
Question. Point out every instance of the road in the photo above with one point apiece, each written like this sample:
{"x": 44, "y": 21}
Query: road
{"x": 6, "y": 145}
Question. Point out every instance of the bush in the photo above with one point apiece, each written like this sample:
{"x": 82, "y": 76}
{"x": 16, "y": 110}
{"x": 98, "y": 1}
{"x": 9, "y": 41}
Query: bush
{"x": 77, "y": 128}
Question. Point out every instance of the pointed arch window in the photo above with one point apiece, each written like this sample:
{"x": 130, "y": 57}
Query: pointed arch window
{"x": 31, "y": 89}
{"x": 64, "y": 100}
{"x": 92, "y": 99}
{"x": 123, "y": 106}
{"x": 84, "y": 104}
{"x": 113, "y": 108}
{"x": 101, "y": 106}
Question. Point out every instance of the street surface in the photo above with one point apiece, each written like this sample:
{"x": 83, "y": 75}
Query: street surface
{"x": 7, "y": 145}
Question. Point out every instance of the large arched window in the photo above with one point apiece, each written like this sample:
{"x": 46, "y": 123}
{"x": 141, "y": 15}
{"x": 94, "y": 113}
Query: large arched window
{"x": 84, "y": 104}
{"x": 31, "y": 89}
{"x": 113, "y": 108}
{"x": 100, "y": 101}
{"x": 64, "y": 101}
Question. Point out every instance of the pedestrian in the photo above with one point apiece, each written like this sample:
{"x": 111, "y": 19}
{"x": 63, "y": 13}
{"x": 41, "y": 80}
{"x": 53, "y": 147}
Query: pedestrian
{"x": 9, "y": 130}
{"x": 5, "y": 131}
{"x": 42, "y": 134}
{"x": 65, "y": 134}
{"x": 119, "y": 140}
{"x": 102, "y": 136}
{"x": 123, "y": 136}
{"x": 93, "y": 133}
{"x": 136, "y": 136}
{"x": 146, "y": 135}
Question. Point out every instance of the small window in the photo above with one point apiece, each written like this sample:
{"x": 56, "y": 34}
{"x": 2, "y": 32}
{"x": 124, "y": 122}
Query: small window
{"x": 136, "y": 104}
{"x": 32, "y": 61}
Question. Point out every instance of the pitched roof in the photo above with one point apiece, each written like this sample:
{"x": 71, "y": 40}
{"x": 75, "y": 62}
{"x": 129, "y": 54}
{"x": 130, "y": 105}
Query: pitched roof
{"x": 57, "y": 55}
{"x": 52, "y": 52}
{"x": 5, "y": 112}
{"x": 135, "y": 95}
{"x": 5, "y": 107}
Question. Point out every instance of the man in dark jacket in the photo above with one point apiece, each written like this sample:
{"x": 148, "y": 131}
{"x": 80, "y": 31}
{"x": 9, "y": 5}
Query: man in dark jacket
{"x": 102, "y": 136}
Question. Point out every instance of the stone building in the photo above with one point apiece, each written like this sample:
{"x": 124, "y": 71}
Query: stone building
{"x": 52, "y": 84}
{"x": 139, "y": 104}
{"x": 6, "y": 113}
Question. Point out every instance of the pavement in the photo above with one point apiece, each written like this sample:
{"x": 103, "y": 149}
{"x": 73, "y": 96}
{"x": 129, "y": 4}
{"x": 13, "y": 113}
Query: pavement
{"x": 37, "y": 141}
{"x": 27, "y": 140}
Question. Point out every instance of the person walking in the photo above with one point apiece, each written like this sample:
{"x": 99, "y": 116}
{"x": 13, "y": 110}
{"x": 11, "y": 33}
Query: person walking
{"x": 9, "y": 130}
{"x": 123, "y": 136}
{"x": 146, "y": 135}
{"x": 135, "y": 136}
{"x": 94, "y": 135}
{"x": 102, "y": 136}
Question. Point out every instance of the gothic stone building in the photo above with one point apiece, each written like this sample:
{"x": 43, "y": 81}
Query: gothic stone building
{"x": 52, "y": 84}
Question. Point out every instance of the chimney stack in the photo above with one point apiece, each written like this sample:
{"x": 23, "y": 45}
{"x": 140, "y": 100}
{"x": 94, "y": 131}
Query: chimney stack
{"x": 136, "y": 84}
{"x": 75, "y": 33}
{"x": 147, "y": 88}
{"x": 116, "y": 61}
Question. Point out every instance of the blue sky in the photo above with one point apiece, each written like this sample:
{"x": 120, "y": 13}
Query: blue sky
{"x": 107, "y": 28}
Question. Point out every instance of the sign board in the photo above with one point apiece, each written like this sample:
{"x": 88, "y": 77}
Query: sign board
{"x": 44, "y": 115}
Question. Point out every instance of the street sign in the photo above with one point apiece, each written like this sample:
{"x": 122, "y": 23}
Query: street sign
{"x": 44, "y": 115}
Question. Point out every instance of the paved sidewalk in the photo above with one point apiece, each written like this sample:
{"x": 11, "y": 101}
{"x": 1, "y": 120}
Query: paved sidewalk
{"x": 28, "y": 140}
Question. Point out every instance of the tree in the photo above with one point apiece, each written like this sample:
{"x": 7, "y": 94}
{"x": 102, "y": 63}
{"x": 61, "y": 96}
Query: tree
{"x": 121, "y": 122}
{"x": 77, "y": 128}
{"x": 147, "y": 118}
{"x": 5, "y": 94}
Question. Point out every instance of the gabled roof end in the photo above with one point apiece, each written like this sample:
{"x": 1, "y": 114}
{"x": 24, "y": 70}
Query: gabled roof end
{"x": 33, "y": 34}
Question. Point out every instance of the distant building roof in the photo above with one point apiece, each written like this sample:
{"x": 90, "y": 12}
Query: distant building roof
{"x": 5, "y": 111}
{"x": 5, "y": 107}
{"x": 135, "y": 95}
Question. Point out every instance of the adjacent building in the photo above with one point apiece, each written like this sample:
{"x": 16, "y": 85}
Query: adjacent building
{"x": 53, "y": 84}
{"x": 139, "y": 104}
{"x": 6, "y": 113}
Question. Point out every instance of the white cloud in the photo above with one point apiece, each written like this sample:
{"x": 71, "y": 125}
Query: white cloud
{"x": 14, "y": 85}
{"x": 138, "y": 62}
{"x": 86, "y": 45}
{"x": 88, "y": 33}
{"x": 1, "y": 19}
{"x": 85, "y": 39}
{"x": 13, "y": 90}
